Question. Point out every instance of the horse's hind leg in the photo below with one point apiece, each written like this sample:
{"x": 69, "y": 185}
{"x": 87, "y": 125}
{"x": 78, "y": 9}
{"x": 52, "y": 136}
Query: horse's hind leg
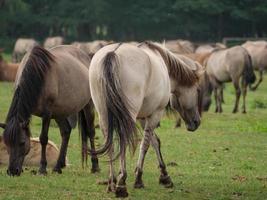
{"x": 238, "y": 93}
{"x": 90, "y": 118}
{"x": 216, "y": 99}
{"x": 260, "y": 80}
{"x": 65, "y": 131}
{"x": 244, "y": 93}
{"x": 121, "y": 189}
{"x": 155, "y": 142}
{"x": 143, "y": 150}
{"x": 44, "y": 140}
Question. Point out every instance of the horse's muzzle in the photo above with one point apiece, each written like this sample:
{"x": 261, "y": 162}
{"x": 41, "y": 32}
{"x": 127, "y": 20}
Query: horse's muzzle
{"x": 14, "y": 171}
{"x": 193, "y": 125}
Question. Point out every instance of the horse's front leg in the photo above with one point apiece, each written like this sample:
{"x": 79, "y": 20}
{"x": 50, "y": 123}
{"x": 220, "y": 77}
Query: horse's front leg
{"x": 44, "y": 140}
{"x": 65, "y": 131}
{"x": 164, "y": 178}
{"x": 121, "y": 189}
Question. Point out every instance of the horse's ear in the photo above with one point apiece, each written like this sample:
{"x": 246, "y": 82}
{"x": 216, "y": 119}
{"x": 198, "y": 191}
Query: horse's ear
{"x": 2, "y": 125}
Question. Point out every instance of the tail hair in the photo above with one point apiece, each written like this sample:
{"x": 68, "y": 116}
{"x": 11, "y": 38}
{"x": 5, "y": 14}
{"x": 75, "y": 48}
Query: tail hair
{"x": 117, "y": 104}
{"x": 248, "y": 73}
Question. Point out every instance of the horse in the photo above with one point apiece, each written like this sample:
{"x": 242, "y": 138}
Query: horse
{"x": 8, "y": 70}
{"x": 91, "y": 47}
{"x": 204, "y": 81}
{"x": 130, "y": 83}
{"x": 208, "y": 48}
{"x": 22, "y": 46}
{"x": 258, "y": 53}
{"x": 179, "y": 46}
{"x": 53, "y": 41}
{"x": 33, "y": 157}
{"x": 48, "y": 85}
{"x": 227, "y": 65}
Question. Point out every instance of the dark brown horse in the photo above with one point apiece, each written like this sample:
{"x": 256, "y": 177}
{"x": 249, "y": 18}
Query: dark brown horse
{"x": 49, "y": 85}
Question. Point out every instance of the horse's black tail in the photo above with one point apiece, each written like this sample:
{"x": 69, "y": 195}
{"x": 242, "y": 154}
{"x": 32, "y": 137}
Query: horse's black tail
{"x": 86, "y": 129}
{"x": 117, "y": 105}
{"x": 248, "y": 73}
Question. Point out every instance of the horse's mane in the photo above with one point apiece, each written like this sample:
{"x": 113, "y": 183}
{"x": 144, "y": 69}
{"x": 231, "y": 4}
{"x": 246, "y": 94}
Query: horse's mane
{"x": 28, "y": 90}
{"x": 177, "y": 68}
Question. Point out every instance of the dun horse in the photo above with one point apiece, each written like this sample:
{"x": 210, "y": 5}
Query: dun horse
{"x": 8, "y": 70}
{"x": 49, "y": 85}
{"x": 130, "y": 83}
{"x": 258, "y": 53}
{"x": 227, "y": 65}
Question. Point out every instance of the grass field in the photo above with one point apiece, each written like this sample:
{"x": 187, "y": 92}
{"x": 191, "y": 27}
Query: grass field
{"x": 226, "y": 158}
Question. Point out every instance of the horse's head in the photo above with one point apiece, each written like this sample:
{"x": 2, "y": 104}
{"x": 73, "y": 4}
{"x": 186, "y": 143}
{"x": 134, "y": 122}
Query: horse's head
{"x": 184, "y": 76}
{"x": 187, "y": 101}
{"x": 17, "y": 140}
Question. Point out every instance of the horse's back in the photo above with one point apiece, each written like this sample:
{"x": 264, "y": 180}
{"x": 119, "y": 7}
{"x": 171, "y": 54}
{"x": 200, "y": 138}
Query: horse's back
{"x": 135, "y": 73}
{"x": 67, "y": 81}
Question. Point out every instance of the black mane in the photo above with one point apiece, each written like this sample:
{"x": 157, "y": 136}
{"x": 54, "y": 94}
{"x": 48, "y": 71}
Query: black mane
{"x": 28, "y": 90}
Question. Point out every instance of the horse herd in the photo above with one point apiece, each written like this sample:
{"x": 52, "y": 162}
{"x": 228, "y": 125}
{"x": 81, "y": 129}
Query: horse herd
{"x": 124, "y": 83}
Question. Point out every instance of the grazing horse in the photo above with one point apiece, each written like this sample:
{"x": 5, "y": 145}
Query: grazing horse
{"x": 8, "y": 71}
{"x": 130, "y": 83}
{"x": 49, "y": 85}
{"x": 230, "y": 65}
{"x": 258, "y": 53}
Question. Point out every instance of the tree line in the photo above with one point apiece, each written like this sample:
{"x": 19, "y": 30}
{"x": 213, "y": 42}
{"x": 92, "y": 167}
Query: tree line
{"x": 120, "y": 20}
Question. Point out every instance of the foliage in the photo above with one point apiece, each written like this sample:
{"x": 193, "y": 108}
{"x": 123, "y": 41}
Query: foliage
{"x": 198, "y": 20}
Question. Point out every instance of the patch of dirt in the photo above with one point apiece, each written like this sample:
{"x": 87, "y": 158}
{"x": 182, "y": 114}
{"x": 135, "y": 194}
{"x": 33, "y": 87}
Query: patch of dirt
{"x": 239, "y": 178}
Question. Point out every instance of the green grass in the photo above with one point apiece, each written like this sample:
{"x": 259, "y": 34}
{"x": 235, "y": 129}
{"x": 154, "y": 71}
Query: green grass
{"x": 226, "y": 158}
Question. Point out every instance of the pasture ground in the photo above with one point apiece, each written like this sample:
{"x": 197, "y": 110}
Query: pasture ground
{"x": 226, "y": 158}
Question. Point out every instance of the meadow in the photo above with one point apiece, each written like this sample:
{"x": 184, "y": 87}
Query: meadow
{"x": 226, "y": 158}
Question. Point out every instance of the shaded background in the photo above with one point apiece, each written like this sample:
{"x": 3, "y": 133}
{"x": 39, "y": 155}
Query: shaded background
{"x": 120, "y": 20}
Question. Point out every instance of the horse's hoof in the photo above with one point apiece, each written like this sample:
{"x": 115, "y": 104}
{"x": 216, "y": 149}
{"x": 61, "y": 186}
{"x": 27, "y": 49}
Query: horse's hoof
{"x": 138, "y": 184}
{"x": 42, "y": 171}
{"x": 111, "y": 188}
{"x": 121, "y": 191}
{"x": 95, "y": 170}
{"x": 235, "y": 111}
{"x": 166, "y": 181}
{"x": 253, "y": 89}
{"x": 57, "y": 170}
